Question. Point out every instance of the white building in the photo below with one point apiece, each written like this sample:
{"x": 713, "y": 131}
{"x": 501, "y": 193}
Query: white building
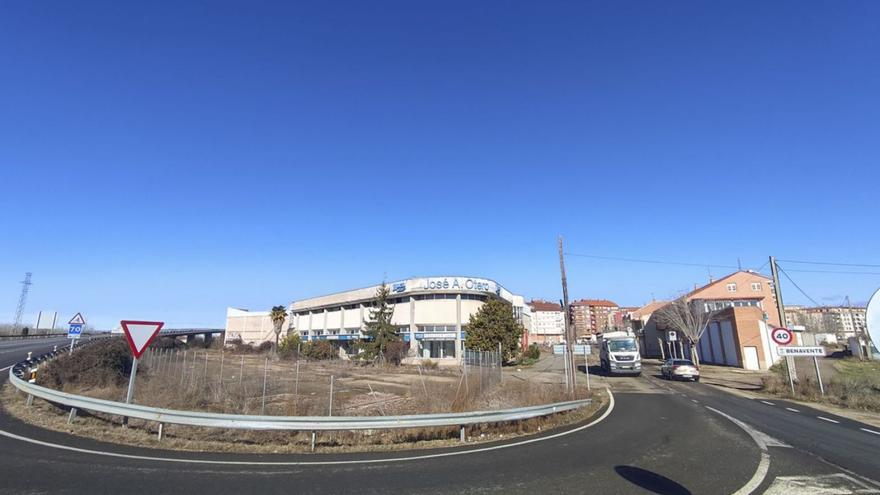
{"x": 547, "y": 323}
{"x": 431, "y": 314}
{"x": 251, "y": 327}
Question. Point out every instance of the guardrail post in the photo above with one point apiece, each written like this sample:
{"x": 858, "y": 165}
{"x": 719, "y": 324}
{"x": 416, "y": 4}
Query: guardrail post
{"x": 313, "y": 440}
{"x": 462, "y": 433}
{"x": 30, "y": 400}
{"x": 72, "y": 415}
{"x": 29, "y": 356}
{"x": 160, "y": 431}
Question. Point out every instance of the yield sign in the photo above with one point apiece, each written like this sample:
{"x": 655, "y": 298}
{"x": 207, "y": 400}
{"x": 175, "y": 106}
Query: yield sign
{"x": 140, "y": 333}
{"x": 77, "y": 320}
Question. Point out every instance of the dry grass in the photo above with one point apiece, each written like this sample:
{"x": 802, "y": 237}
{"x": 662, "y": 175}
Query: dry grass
{"x": 199, "y": 384}
{"x": 854, "y": 385}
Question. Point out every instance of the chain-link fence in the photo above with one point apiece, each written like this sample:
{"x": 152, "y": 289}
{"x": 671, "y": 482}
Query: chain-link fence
{"x": 482, "y": 368}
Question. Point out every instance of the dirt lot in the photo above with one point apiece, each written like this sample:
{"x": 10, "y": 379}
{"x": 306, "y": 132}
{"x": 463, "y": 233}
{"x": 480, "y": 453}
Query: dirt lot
{"x": 218, "y": 381}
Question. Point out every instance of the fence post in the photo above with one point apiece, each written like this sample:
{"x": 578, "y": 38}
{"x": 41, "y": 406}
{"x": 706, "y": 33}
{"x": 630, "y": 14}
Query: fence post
{"x": 72, "y": 415}
{"x": 423, "y": 382}
{"x": 819, "y": 376}
{"x": 206, "y": 367}
{"x": 296, "y": 390}
{"x": 241, "y": 371}
{"x": 183, "y": 369}
{"x": 221, "y": 368}
{"x": 265, "y": 375}
{"x": 331, "y": 396}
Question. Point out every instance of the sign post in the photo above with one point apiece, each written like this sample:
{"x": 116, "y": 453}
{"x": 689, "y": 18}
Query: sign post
{"x": 139, "y": 334}
{"x": 814, "y": 352}
{"x": 783, "y": 337}
{"x": 75, "y": 330}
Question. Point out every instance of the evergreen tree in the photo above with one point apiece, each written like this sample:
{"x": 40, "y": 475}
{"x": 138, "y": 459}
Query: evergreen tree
{"x": 493, "y": 324}
{"x": 379, "y": 330}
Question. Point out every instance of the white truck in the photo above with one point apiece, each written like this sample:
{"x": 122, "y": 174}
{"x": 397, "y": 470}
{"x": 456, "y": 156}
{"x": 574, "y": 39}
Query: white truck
{"x": 619, "y": 353}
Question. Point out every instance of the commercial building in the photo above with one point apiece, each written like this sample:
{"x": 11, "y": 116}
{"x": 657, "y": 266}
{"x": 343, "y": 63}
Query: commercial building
{"x": 431, "y": 313}
{"x": 548, "y": 322}
{"x": 592, "y": 316}
{"x": 250, "y": 326}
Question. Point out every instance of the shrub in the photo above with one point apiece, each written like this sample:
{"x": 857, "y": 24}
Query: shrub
{"x": 264, "y": 346}
{"x": 533, "y": 352}
{"x": 395, "y": 352}
{"x": 319, "y": 349}
{"x": 103, "y": 363}
{"x": 430, "y": 365}
{"x": 289, "y": 346}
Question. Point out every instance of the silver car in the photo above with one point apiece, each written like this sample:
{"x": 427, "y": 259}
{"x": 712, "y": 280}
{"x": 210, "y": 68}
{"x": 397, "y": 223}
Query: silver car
{"x": 680, "y": 369}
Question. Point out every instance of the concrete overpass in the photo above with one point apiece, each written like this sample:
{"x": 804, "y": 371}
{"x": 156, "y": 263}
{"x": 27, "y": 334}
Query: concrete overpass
{"x": 191, "y": 333}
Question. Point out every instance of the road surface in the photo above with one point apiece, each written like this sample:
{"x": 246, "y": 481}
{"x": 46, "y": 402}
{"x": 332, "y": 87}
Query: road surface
{"x": 660, "y": 437}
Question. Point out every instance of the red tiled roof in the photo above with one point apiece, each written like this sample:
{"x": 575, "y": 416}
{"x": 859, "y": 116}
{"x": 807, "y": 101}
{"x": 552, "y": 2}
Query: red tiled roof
{"x": 595, "y": 302}
{"x": 544, "y": 306}
{"x": 649, "y": 308}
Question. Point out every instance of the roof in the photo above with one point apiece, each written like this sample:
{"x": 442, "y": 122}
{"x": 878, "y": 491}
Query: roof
{"x": 649, "y": 308}
{"x": 723, "y": 279}
{"x": 544, "y": 306}
{"x": 595, "y": 302}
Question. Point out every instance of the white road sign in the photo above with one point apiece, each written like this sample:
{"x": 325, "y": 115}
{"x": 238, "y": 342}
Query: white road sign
{"x": 671, "y": 336}
{"x": 873, "y": 318}
{"x": 139, "y": 334}
{"x": 795, "y": 351}
{"x": 77, "y": 320}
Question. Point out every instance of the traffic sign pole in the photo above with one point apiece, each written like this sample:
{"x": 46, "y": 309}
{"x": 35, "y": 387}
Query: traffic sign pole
{"x": 819, "y": 376}
{"x": 134, "y": 370}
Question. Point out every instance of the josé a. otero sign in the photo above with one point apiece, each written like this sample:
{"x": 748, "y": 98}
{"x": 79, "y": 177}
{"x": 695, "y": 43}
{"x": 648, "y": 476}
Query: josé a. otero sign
{"x": 447, "y": 284}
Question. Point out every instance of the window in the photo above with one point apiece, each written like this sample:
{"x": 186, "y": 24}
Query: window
{"x": 756, "y": 286}
{"x": 731, "y": 287}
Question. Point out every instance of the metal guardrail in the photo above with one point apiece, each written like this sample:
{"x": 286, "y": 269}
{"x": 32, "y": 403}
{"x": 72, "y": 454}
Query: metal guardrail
{"x": 294, "y": 423}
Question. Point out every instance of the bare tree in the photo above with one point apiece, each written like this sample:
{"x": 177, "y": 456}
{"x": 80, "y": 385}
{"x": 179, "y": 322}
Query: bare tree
{"x": 689, "y": 318}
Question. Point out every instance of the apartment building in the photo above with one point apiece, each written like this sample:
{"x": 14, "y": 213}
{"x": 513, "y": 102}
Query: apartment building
{"x": 592, "y": 316}
{"x": 547, "y": 322}
{"x": 842, "y": 321}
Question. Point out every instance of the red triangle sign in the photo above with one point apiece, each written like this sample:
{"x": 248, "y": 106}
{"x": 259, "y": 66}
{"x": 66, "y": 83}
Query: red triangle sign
{"x": 139, "y": 334}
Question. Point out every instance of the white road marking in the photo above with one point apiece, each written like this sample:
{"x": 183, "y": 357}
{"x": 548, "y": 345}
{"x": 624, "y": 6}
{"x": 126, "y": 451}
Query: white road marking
{"x": 694, "y": 401}
{"x": 829, "y": 420}
{"x": 764, "y": 441}
{"x": 870, "y": 431}
{"x": 768, "y": 403}
{"x": 6, "y": 368}
{"x": 791, "y": 409}
{"x": 314, "y": 463}
{"x": 818, "y": 485}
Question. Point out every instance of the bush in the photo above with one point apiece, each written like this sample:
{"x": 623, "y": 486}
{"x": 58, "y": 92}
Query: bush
{"x": 533, "y": 352}
{"x": 103, "y": 363}
{"x": 319, "y": 349}
{"x": 395, "y": 351}
{"x": 289, "y": 346}
{"x": 264, "y": 346}
{"x": 430, "y": 365}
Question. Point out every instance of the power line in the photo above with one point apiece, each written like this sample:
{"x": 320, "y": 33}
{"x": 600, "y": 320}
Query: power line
{"x": 796, "y": 285}
{"x": 656, "y": 262}
{"x": 836, "y": 272}
{"x": 831, "y": 263}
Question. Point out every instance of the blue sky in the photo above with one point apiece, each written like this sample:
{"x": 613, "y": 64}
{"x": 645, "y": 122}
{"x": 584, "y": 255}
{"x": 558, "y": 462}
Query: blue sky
{"x": 167, "y": 159}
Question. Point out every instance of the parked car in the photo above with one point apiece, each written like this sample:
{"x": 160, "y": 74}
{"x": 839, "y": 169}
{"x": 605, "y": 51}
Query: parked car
{"x": 680, "y": 369}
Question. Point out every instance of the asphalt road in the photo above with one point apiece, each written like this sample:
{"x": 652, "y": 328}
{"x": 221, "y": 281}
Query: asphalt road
{"x": 660, "y": 438}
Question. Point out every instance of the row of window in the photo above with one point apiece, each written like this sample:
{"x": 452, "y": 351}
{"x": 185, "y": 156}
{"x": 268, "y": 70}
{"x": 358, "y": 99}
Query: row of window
{"x": 756, "y": 287}
{"x": 719, "y": 305}
{"x": 398, "y": 300}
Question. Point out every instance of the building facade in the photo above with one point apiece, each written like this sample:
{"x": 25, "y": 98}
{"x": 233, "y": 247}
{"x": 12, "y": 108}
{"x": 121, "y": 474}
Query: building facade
{"x": 841, "y": 321}
{"x": 547, "y": 323}
{"x": 431, "y": 313}
{"x": 592, "y": 316}
{"x": 744, "y": 313}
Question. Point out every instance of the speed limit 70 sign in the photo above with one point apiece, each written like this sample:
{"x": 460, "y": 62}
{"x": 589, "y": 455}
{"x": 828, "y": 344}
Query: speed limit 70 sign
{"x": 782, "y": 336}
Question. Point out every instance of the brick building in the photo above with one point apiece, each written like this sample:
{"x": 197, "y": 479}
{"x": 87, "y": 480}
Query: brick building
{"x": 591, "y": 316}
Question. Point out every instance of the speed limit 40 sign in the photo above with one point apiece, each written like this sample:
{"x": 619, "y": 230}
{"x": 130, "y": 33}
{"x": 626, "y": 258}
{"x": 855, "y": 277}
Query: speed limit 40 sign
{"x": 782, "y": 336}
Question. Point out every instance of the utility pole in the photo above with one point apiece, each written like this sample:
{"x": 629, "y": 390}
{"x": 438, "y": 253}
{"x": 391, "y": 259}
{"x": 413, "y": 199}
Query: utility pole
{"x": 789, "y": 361}
{"x": 569, "y": 340}
{"x": 22, "y": 299}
